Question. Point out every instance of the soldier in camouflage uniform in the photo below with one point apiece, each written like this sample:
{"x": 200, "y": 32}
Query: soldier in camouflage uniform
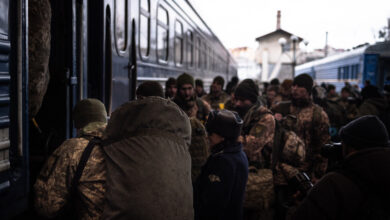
{"x": 266, "y": 146}
{"x": 348, "y": 102}
{"x": 195, "y": 109}
{"x": 217, "y": 97}
{"x": 187, "y": 100}
{"x": 52, "y": 188}
{"x": 309, "y": 122}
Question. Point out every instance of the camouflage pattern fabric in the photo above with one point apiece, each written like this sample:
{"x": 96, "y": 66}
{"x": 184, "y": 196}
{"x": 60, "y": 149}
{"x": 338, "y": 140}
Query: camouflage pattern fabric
{"x": 291, "y": 159}
{"x": 198, "y": 148}
{"x": 312, "y": 126}
{"x": 39, "y": 15}
{"x": 53, "y": 183}
{"x": 258, "y": 129}
{"x": 216, "y": 100}
{"x": 259, "y": 192}
{"x": 349, "y": 108}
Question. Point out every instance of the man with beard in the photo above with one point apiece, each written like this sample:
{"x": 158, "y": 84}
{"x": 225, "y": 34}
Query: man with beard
{"x": 197, "y": 111}
{"x": 217, "y": 96}
{"x": 309, "y": 121}
{"x": 187, "y": 100}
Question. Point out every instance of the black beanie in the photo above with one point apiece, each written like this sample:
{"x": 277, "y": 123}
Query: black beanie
{"x": 224, "y": 123}
{"x": 150, "y": 88}
{"x": 304, "y": 81}
{"x": 247, "y": 89}
{"x": 365, "y": 132}
{"x": 199, "y": 82}
{"x": 87, "y": 111}
{"x": 219, "y": 80}
{"x": 170, "y": 81}
{"x": 185, "y": 79}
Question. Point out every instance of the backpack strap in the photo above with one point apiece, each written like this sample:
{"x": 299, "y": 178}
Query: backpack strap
{"x": 278, "y": 144}
{"x": 83, "y": 161}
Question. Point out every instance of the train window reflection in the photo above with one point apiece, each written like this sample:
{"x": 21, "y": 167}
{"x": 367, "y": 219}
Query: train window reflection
{"x": 121, "y": 24}
{"x": 190, "y": 48}
{"x": 144, "y": 28}
{"x": 178, "y": 42}
{"x": 162, "y": 33}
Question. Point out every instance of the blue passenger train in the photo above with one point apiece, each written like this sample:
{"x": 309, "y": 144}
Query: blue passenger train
{"x": 99, "y": 49}
{"x": 367, "y": 63}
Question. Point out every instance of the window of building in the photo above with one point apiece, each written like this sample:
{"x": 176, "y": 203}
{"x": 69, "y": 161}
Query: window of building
{"x": 144, "y": 28}
{"x": 190, "y": 49}
{"x": 162, "y": 34}
{"x": 121, "y": 24}
{"x": 179, "y": 43}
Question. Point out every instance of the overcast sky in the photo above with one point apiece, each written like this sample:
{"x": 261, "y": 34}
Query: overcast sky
{"x": 349, "y": 22}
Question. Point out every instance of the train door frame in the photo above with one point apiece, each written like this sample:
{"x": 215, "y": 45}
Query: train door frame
{"x": 14, "y": 191}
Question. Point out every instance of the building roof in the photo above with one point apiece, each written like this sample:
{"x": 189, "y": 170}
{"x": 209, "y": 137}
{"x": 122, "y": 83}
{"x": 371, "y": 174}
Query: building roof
{"x": 278, "y": 31}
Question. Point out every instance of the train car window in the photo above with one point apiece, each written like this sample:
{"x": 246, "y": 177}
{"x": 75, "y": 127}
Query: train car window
{"x": 346, "y": 72}
{"x": 199, "y": 53}
{"x": 162, "y": 34}
{"x": 121, "y": 24}
{"x": 144, "y": 28}
{"x": 190, "y": 49}
{"x": 179, "y": 43}
{"x": 4, "y": 20}
{"x": 339, "y": 73}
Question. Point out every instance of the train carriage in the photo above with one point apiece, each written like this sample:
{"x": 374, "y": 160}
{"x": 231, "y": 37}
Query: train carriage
{"x": 368, "y": 62}
{"x": 99, "y": 49}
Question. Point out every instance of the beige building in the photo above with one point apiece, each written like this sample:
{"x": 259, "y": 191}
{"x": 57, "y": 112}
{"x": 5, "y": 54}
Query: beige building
{"x": 275, "y": 53}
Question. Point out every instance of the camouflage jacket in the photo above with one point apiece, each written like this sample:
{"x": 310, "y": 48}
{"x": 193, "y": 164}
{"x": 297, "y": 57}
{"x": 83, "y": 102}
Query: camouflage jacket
{"x": 312, "y": 126}
{"x": 216, "y": 101}
{"x": 199, "y": 149}
{"x": 258, "y": 132}
{"x": 350, "y": 109}
{"x": 53, "y": 183}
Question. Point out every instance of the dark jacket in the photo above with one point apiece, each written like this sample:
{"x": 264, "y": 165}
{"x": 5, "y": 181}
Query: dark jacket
{"x": 337, "y": 196}
{"x": 219, "y": 190}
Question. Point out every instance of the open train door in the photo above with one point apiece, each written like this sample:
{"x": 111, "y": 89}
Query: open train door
{"x": 14, "y": 183}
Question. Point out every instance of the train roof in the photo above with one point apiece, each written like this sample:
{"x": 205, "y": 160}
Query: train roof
{"x": 333, "y": 58}
{"x": 381, "y": 48}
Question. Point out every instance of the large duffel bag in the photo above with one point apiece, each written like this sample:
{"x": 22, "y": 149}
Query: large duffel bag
{"x": 148, "y": 162}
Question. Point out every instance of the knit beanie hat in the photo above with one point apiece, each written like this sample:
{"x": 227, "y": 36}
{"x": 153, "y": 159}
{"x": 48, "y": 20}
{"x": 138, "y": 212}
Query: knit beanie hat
{"x": 170, "y": 81}
{"x": 150, "y": 88}
{"x": 224, "y": 123}
{"x": 185, "y": 79}
{"x": 247, "y": 89}
{"x": 365, "y": 132}
{"x": 199, "y": 82}
{"x": 304, "y": 81}
{"x": 219, "y": 80}
{"x": 87, "y": 111}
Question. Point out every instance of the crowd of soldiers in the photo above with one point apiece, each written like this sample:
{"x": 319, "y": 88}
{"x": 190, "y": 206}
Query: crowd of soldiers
{"x": 253, "y": 154}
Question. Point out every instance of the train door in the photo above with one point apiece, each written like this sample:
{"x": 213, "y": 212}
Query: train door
{"x": 13, "y": 108}
{"x": 109, "y": 62}
{"x": 371, "y": 62}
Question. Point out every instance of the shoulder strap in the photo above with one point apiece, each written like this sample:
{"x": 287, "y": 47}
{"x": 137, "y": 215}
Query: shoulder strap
{"x": 278, "y": 144}
{"x": 82, "y": 163}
